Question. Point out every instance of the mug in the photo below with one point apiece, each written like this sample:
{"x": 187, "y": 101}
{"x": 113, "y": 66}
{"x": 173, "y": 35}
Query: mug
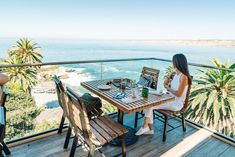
{"x": 145, "y": 92}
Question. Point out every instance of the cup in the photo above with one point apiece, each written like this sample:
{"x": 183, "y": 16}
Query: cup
{"x": 145, "y": 92}
{"x": 123, "y": 86}
{"x": 133, "y": 89}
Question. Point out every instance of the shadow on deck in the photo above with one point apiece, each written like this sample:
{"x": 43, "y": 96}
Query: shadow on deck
{"x": 193, "y": 142}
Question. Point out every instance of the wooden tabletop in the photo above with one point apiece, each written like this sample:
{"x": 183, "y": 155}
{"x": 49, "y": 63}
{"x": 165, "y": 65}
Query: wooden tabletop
{"x": 109, "y": 96}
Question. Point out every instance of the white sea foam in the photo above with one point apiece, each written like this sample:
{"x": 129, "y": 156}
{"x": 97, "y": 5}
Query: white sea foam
{"x": 110, "y": 69}
{"x": 75, "y": 78}
{"x": 79, "y": 70}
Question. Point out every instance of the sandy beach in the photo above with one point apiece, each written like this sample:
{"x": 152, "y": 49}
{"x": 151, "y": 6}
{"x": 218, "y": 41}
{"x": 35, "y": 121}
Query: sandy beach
{"x": 45, "y": 94}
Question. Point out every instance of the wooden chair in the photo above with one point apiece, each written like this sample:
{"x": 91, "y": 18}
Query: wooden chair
{"x": 154, "y": 73}
{"x": 59, "y": 90}
{"x": 93, "y": 133}
{"x": 3, "y": 146}
{"x": 61, "y": 94}
{"x": 168, "y": 113}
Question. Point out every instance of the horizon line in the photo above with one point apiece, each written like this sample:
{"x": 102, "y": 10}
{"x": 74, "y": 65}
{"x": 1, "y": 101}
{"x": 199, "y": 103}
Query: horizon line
{"x": 123, "y": 39}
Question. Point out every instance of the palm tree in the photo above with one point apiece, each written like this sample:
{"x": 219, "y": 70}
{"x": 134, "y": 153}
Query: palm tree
{"x": 213, "y": 99}
{"x": 27, "y": 50}
{"x": 26, "y": 77}
{"x": 169, "y": 70}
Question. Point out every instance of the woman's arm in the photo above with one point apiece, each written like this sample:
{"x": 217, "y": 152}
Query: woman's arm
{"x": 168, "y": 79}
{"x": 3, "y": 79}
{"x": 183, "y": 84}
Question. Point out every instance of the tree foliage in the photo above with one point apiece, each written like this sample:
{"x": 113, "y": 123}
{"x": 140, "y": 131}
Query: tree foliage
{"x": 45, "y": 125}
{"x": 21, "y": 107}
{"x": 14, "y": 88}
{"x": 27, "y": 50}
{"x": 169, "y": 70}
{"x": 212, "y": 99}
{"x": 21, "y": 114}
{"x": 26, "y": 77}
{"x": 108, "y": 108}
{"x": 24, "y": 52}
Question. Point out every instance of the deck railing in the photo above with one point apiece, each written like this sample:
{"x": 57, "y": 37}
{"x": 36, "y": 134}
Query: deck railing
{"x": 111, "y": 60}
{"x": 131, "y": 67}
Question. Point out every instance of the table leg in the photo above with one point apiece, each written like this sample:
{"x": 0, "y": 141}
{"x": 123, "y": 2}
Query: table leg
{"x": 120, "y": 117}
{"x": 6, "y": 149}
{"x": 130, "y": 137}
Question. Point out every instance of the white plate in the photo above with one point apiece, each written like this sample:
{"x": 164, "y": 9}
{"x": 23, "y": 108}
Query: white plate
{"x": 104, "y": 87}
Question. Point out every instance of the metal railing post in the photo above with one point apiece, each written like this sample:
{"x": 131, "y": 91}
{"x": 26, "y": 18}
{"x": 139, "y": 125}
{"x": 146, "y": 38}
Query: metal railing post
{"x": 101, "y": 70}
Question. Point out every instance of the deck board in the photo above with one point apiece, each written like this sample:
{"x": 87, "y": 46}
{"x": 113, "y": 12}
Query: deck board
{"x": 230, "y": 152}
{"x": 208, "y": 148}
{"x": 191, "y": 143}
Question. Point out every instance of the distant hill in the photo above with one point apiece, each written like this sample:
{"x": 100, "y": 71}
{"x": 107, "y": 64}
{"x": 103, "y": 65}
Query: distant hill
{"x": 224, "y": 43}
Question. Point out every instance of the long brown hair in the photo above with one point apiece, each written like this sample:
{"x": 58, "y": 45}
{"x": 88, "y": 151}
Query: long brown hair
{"x": 181, "y": 63}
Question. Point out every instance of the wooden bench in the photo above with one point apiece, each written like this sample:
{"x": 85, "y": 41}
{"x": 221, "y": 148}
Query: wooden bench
{"x": 95, "y": 132}
{"x": 3, "y": 146}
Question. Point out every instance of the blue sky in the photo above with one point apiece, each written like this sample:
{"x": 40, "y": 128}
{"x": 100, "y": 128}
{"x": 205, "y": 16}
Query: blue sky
{"x": 118, "y": 19}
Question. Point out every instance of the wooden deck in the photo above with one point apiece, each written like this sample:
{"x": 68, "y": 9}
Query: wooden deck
{"x": 193, "y": 142}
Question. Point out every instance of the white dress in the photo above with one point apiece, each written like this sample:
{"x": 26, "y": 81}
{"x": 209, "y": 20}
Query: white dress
{"x": 175, "y": 105}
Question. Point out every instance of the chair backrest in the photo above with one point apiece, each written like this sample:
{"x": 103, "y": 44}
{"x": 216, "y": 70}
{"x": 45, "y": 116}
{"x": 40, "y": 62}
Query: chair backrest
{"x": 186, "y": 102}
{"x": 154, "y": 73}
{"x": 3, "y": 113}
{"x": 4, "y": 93}
{"x": 78, "y": 115}
{"x": 59, "y": 90}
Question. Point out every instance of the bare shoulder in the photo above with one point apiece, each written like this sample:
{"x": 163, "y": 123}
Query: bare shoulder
{"x": 184, "y": 79}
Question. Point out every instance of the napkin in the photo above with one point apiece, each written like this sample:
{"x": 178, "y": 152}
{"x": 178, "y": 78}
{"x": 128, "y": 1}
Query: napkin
{"x": 128, "y": 100}
{"x": 156, "y": 92}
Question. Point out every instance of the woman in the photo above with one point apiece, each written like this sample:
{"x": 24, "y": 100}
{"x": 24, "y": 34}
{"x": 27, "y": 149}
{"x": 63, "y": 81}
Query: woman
{"x": 177, "y": 83}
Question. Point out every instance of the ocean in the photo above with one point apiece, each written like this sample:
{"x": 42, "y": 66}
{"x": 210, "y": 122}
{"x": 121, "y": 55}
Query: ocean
{"x": 74, "y": 50}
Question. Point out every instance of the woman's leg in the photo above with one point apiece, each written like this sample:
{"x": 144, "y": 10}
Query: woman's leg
{"x": 147, "y": 123}
{"x": 148, "y": 120}
{"x": 172, "y": 106}
{"x": 150, "y": 126}
{"x": 147, "y": 127}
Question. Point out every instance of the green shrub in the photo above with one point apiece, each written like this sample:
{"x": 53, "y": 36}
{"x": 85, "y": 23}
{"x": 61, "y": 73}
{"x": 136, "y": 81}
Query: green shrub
{"x": 19, "y": 101}
{"x": 45, "y": 125}
{"x": 21, "y": 114}
{"x": 14, "y": 88}
{"x": 108, "y": 108}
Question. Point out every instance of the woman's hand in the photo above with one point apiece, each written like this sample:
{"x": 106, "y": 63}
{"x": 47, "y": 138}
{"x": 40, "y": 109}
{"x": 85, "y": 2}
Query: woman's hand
{"x": 166, "y": 82}
{"x": 167, "y": 87}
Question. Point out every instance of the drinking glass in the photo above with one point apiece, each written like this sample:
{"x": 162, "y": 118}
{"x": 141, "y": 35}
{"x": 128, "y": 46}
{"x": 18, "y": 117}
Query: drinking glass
{"x": 134, "y": 89}
{"x": 123, "y": 86}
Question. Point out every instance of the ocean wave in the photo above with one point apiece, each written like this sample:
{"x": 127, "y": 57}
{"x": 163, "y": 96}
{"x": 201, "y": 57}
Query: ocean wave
{"x": 110, "y": 69}
{"x": 74, "y": 78}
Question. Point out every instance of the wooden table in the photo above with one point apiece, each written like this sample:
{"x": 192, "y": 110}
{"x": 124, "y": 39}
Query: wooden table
{"x": 109, "y": 96}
